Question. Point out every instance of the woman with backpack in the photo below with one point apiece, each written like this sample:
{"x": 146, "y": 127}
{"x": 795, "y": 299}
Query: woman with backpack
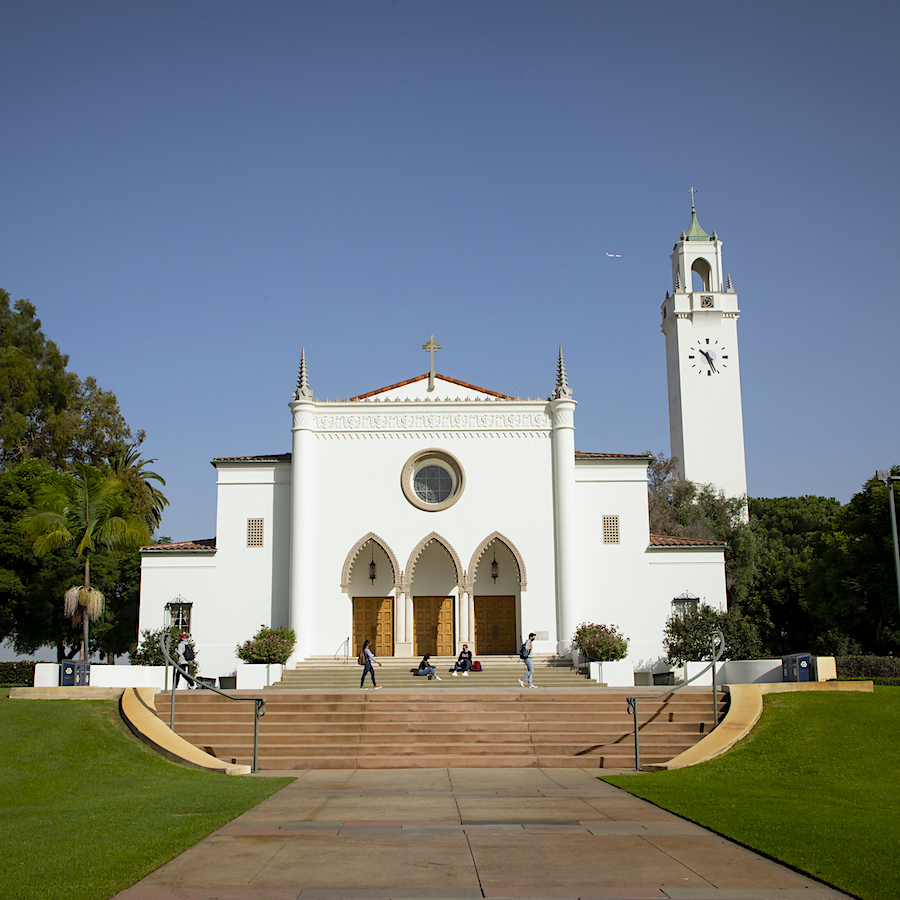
{"x": 525, "y": 656}
{"x": 367, "y": 658}
{"x": 184, "y": 654}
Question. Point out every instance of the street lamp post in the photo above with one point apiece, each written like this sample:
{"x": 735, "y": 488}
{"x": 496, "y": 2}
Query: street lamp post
{"x": 888, "y": 479}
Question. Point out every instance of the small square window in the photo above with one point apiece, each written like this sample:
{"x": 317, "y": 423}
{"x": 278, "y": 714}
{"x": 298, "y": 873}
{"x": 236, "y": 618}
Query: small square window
{"x": 254, "y": 532}
{"x": 610, "y": 529}
{"x": 681, "y": 606}
{"x": 180, "y": 615}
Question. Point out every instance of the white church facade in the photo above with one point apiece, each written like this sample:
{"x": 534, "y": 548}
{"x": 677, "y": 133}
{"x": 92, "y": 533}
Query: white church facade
{"x": 433, "y": 513}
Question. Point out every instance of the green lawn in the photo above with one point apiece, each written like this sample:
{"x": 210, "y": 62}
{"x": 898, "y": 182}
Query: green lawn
{"x": 816, "y": 785}
{"x": 88, "y": 809}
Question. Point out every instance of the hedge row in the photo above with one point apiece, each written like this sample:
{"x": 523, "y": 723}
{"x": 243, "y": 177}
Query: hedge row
{"x": 867, "y": 667}
{"x": 20, "y": 672}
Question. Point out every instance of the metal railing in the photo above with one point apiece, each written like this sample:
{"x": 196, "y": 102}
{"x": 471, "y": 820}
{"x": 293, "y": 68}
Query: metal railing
{"x": 343, "y": 651}
{"x": 259, "y": 703}
{"x": 718, "y": 648}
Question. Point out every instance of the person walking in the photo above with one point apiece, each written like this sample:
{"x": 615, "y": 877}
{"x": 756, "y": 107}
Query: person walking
{"x": 525, "y": 653}
{"x": 368, "y": 658}
{"x": 182, "y": 661}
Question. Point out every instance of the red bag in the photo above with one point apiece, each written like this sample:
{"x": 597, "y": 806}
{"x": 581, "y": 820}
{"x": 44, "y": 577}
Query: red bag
{"x": 476, "y": 666}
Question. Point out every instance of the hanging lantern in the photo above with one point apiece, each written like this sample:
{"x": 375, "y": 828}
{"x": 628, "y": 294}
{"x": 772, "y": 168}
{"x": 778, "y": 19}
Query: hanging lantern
{"x": 494, "y": 569}
{"x": 372, "y": 567}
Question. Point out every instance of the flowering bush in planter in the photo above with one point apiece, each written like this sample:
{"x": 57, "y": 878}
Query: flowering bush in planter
{"x": 602, "y": 643}
{"x": 268, "y": 645}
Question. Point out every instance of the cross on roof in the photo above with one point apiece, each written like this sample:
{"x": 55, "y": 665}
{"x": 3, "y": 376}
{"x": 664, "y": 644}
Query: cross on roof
{"x": 431, "y": 346}
{"x": 692, "y": 192}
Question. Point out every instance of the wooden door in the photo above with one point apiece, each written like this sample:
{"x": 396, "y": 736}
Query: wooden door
{"x": 495, "y": 625}
{"x": 433, "y": 620}
{"x": 373, "y": 619}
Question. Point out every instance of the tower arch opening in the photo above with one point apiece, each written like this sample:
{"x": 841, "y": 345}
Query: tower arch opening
{"x": 700, "y": 275}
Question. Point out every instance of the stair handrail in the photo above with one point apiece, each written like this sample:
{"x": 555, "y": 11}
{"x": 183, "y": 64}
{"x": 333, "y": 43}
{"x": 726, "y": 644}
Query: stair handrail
{"x": 259, "y": 707}
{"x": 345, "y": 646}
{"x": 717, "y": 639}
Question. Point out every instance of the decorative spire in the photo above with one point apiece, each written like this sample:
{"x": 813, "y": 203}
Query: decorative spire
{"x": 728, "y": 285}
{"x": 563, "y": 391}
{"x": 695, "y": 232}
{"x": 303, "y": 392}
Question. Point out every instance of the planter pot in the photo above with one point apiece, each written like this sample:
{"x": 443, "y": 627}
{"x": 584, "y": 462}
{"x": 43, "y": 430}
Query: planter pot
{"x": 619, "y": 673}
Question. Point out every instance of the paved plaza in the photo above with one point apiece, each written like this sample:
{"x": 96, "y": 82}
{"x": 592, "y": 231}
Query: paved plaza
{"x": 464, "y": 834}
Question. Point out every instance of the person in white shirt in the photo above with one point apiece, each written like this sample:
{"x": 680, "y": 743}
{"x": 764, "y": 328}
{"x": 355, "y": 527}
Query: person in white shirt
{"x": 529, "y": 663}
{"x": 368, "y": 661}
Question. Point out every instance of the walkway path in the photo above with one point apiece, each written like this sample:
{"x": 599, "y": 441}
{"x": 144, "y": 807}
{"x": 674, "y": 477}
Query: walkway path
{"x": 464, "y": 834}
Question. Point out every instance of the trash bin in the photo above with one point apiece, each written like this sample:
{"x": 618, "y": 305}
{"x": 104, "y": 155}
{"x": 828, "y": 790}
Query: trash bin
{"x": 227, "y": 682}
{"x": 664, "y": 678}
{"x": 75, "y": 674}
{"x": 798, "y": 667}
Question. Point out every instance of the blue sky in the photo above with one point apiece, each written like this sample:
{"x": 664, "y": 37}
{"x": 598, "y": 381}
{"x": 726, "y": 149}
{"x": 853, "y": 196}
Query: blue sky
{"x": 191, "y": 191}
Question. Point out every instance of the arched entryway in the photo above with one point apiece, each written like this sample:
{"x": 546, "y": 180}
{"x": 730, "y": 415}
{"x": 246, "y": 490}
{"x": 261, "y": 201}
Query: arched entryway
{"x": 370, "y": 577}
{"x": 433, "y": 587}
{"x": 496, "y": 581}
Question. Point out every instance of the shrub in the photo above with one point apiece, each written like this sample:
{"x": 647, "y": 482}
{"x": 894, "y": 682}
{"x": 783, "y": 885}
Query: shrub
{"x": 686, "y": 636}
{"x": 850, "y": 667}
{"x": 602, "y": 643}
{"x": 17, "y": 673}
{"x": 150, "y": 651}
{"x": 268, "y": 645}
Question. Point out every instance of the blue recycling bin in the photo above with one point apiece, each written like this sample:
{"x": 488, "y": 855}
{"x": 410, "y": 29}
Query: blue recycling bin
{"x": 798, "y": 667}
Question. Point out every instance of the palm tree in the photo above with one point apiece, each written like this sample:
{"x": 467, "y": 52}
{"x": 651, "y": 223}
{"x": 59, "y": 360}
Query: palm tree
{"x": 90, "y": 510}
{"x": 146, "y": 498}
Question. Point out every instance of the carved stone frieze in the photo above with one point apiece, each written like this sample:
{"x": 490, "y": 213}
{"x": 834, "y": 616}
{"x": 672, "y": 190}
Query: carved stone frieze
{"x": 435, "y": 422}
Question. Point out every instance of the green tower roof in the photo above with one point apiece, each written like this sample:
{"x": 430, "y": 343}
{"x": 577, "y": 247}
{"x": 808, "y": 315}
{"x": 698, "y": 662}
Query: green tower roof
{"x": 695, "y": 232}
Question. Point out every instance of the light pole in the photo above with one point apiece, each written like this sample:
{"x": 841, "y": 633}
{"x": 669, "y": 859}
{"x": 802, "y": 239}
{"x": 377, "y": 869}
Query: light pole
{"x": 888, "y": 479}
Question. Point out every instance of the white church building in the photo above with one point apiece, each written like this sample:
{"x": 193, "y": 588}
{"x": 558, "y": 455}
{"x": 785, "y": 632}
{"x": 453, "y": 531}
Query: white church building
{"x": 388, "y": 519}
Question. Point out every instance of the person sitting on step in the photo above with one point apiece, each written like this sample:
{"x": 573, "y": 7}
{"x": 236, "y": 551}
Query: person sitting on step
{"x": 463, "y": 661}
{"x": 426, "y": 668}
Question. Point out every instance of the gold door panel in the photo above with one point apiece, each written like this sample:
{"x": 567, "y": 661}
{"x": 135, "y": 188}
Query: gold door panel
{"x": 373, "y": 619}
{"x": 433, "y": 621}
{"x": 495, "y": 625}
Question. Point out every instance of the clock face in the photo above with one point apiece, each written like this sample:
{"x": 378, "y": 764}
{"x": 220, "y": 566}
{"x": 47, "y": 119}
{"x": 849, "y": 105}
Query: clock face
{"x": 707, "y": 357}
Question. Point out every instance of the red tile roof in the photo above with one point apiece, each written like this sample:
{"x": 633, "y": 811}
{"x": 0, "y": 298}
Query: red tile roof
{"x": 400, "y": 384}
{"x": 203, "y": 544}
{"x": 581, "y": 455}
{"x": 271, "y": 457}
{"x": 665, "y": 540}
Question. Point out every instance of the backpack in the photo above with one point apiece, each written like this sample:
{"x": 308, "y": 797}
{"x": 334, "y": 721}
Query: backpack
{"x": 476, "y": 666}
{"x": 523, "y": 653}
{"x": 361, "y": 659}
{"x": 189, "y": 654}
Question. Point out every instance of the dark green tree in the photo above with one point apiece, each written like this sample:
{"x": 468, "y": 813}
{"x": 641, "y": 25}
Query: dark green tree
{"x": 47, "y": 412}
{"x": 144, "y": 498}
{"x": 30, "y": 613}
{"x": 87, "y": 511}
{"x": 852, "y": 586}
{"x": 681, "y": 508}
{"x": 785, "y": 529}
{"x": 686, "y": 636}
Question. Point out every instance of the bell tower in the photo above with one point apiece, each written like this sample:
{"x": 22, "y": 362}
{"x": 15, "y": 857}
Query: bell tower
{"x": 699, "y": 320}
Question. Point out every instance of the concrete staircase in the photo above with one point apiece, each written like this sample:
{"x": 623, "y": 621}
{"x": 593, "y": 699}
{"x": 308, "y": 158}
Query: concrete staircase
{"x": 328, "y": 674}
{"x": 442, "y": 728}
